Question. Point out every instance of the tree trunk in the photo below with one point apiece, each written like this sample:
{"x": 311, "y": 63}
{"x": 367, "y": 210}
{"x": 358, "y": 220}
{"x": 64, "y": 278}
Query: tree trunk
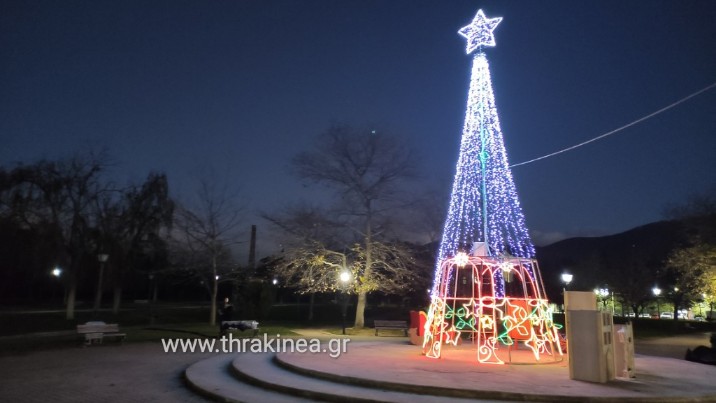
{"x": 72, "y": 291}
{"x": 362, "y": 294}
{"x": 117, "y": 299}
{"x": 360, "y": 310}
{"x": 214, "y": 293}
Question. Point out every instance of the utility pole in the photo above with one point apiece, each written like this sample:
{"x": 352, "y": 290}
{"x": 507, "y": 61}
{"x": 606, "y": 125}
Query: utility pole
{"x": 252, "y": 249}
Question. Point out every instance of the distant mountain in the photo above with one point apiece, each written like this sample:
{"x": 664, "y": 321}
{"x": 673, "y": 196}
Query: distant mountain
{"x": 629, "y": 263}
{"x": 598, "y": 261}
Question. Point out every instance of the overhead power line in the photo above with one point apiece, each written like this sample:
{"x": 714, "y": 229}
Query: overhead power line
{"x": 651, "y": 115}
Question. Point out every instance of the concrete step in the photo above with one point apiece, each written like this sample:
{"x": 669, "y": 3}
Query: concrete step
{"x": 211, "y": 378}
{"x": 261, "y": 370}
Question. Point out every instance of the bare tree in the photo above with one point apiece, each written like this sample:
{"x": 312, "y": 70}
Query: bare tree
{"x": 313, "y": 268}
{"x": 626, "y": 273}
{"x": 426, "y": 215}
{"x": 132, "y": 228}
{"x": 366, "y": 170}
{"x": 206, "y": 231}
{"x": 60, "y": 197}
{"x": 306, "y": 260}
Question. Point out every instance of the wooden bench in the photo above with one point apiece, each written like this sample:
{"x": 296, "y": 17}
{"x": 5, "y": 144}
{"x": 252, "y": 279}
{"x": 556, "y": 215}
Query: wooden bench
{"x": 390, "y": 325}
{"x": 95, "y": 332}
{"x": 241, "y": 325}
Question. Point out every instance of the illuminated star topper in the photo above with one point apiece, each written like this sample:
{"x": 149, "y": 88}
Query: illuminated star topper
{"x": 479, "y": 32}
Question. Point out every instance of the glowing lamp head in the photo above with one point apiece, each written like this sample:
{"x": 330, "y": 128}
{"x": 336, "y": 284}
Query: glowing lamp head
{"x": 567, "y": 278}
{"x": 461, "y": 259}
{"x": 656, "y": 291}
{"x": 57, "y": 272}
{"x": 345, "y": 277}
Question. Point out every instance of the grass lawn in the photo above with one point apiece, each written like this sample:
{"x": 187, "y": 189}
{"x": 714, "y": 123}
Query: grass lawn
{"x": 135, "y": 334}
{"x": 23, "y": 321}
{"x": 25, "y": 331}
{"x": 21, "y": 331}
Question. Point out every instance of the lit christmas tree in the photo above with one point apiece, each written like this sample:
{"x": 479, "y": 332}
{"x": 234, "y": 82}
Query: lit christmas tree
{"x": 486, "y": 280}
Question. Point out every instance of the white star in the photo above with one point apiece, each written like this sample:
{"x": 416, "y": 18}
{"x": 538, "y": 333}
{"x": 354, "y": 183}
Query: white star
{"x": 479, "y": 32}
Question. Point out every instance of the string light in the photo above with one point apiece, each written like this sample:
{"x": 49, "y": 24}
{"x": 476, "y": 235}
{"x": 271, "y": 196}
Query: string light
{"x": 492, "y": 320}
{"x": 479, "y": 32}
{"x": 484, "y": 209}
{"x": 461, "y": 259}
{"x": 483, "y": 205}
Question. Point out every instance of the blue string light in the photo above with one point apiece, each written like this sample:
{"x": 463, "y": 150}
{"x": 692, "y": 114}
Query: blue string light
{"x": 479, "y": 32}
{"x": 484, "y": 206}
{"x": 485, "y": 219}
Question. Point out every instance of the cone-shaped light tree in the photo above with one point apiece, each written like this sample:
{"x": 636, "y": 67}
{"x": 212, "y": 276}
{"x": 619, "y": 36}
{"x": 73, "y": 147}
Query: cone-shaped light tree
{"x": 486, "y": 251}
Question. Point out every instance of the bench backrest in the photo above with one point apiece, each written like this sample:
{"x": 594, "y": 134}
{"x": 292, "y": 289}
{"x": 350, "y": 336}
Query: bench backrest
{"x": 98, "y": 328}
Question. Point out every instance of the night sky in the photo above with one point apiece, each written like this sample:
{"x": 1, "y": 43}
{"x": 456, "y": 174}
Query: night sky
{"x": 239, "y": 87}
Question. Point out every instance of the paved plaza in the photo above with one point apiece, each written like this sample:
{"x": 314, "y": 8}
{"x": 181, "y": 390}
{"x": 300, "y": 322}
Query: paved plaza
{"x": 142, "y": 372}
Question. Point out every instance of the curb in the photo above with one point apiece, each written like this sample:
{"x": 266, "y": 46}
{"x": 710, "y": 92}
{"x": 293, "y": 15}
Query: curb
{"x": 475, "y": 394}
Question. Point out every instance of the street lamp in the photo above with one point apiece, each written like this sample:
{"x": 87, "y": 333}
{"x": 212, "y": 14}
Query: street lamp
{"x": 102, "y": 258}
{"x": 345, "y": 277}
{"x": 657, "y": 292}
{"x": 566, "y": 279}
{"x": 57, "y": 272}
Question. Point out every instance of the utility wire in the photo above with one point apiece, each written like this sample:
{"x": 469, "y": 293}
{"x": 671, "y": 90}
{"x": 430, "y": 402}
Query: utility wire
{"x": 664, "y": 109}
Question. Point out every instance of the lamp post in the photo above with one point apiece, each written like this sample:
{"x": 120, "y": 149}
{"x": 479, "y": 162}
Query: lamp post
{"x": 345, "y": 278}
{"x": 566, "y": 279}
{"x": 56, "y": 273}
{"x": 102, "y": 258}
{"x": 657, "y": 292}
{"x": 277, "y": 291}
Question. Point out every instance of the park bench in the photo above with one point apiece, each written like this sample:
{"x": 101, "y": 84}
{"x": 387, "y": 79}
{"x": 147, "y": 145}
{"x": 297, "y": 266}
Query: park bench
{"x": 95, "y": 332}
{"x": 390, "y": 325}
{"x": 242, "y": 325}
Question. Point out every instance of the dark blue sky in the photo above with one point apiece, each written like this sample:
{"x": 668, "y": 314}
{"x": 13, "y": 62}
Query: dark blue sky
{"x": 241, "y": 86}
